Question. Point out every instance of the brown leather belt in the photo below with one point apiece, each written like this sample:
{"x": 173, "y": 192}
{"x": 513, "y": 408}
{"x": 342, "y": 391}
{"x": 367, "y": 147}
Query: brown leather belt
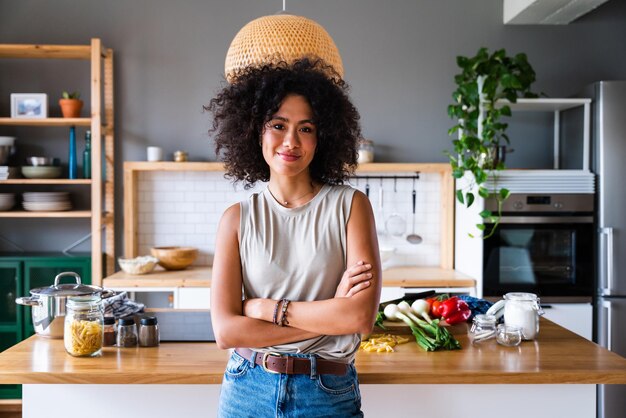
{"x": 276, "y": 363}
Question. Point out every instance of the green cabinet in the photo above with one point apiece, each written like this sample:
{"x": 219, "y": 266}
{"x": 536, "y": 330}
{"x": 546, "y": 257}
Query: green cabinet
{"x": 19, "y": 274}
{"x": 11, "y": 316}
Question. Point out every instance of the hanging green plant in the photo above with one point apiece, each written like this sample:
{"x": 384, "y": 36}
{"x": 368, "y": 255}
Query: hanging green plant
{"x": 480, "y": 133}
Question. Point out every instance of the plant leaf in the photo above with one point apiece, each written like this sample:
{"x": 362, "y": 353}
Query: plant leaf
{"x": 485, "y": 213}
{"x": 458, "y": 173}
{"x": 470, "y": 198}
{"x": 481, "y": 227}
{"x": 459, "y": 196}
{"x": 504, "y": 194}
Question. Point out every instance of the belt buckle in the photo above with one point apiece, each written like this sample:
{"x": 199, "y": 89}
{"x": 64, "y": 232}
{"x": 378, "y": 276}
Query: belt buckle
{"x": 264, "y": 362}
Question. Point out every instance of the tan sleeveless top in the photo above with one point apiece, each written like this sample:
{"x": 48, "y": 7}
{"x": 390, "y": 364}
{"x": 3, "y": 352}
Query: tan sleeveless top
{"x": 298, "y": 254}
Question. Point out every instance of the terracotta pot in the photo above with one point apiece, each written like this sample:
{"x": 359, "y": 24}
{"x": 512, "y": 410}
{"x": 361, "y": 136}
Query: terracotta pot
{"x": 71, "y": 107}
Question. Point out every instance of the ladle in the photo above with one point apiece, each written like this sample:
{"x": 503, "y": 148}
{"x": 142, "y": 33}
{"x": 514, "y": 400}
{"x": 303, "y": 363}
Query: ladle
{"x": 413, "y": 238}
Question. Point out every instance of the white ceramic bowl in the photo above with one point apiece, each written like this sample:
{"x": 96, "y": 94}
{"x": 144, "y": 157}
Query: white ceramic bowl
{"x": 138, "y": 265}
{"x": 41, "y": 172}
{"x": 7, "y": 140}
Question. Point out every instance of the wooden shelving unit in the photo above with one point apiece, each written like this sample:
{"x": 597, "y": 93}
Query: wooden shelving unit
{"x": 133, "y": 168}
{"x": 46, "y": 181}
{"x": 46, "y": 122}
{"x": 56, "y": 214}
{"x": 101, "y": 124}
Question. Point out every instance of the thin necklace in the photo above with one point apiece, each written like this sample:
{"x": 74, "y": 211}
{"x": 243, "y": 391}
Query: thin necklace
{"x": 286, "y": 202}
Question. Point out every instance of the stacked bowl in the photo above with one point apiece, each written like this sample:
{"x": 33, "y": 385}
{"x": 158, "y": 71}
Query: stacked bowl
{"x": 47, "y": 201}
{"x": 7, "y": 201}
{"x": 42, "y": 168}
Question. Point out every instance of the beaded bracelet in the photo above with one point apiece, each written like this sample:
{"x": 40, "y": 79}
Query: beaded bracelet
{"x": 283, "y": 318}
{"x": 275, "y": 317}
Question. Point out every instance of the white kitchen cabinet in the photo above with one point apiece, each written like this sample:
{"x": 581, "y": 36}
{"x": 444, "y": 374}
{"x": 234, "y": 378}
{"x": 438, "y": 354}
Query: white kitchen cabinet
{"x": 390, "y": 293}
{"x": 170, "y": 297}
{"x": 576, "y": 317}
{"x": 193, "y": 298}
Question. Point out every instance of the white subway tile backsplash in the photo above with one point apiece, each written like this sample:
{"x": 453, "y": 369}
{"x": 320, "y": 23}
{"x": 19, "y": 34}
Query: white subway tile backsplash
{"x": 184, "y": 208}
{"x": 195, "y": 197}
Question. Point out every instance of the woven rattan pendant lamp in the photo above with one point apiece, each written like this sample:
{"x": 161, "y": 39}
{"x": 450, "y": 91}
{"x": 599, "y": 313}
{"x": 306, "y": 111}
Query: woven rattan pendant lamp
{"x": 280, "y": 37}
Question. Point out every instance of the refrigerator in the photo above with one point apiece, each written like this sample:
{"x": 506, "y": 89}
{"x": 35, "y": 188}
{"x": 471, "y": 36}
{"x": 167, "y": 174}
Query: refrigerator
{"x": 608, "y": 162}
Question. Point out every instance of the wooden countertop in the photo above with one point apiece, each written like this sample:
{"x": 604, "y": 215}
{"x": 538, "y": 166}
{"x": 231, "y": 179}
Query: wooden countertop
{"x": 201, "y": 277}
{"x": 558, "y": 356}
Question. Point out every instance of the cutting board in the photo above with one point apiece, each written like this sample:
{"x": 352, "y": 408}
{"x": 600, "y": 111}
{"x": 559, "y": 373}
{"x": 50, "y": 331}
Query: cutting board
{"x": 402, "y": 328}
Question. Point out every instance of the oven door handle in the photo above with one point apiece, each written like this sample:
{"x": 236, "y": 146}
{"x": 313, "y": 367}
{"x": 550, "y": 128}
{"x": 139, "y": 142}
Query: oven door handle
{"x": 545, "y": 220}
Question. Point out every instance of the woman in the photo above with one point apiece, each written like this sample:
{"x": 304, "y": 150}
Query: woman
{"x": 302, "y": 254}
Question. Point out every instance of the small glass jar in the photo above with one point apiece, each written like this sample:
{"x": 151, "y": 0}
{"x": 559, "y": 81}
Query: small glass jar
{"x": 110, "y": 331}
{"x": 365, "y": 151}
{"x": 84, "y": 323}
{"x": 126, "y": 332}
{"x": 509, "y": 335}
{"x": 148, "y": 332}
{"x": 180, "y": 156}
{"x": 483, "y": 328}
{"x": 523, "y": 310}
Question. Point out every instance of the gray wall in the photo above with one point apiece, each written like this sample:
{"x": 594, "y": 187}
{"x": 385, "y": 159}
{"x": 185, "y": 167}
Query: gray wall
{"x": 399, "y": 57}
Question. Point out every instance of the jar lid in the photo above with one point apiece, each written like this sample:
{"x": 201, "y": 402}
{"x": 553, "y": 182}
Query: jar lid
{"x": 109, "y": 320}
{"x": 520, "y": 296}
{"x": 148, "y": 320}
{"x": 129, "y": 320}
{"x": 83, "y": 302}
{"x": 485, "y": 319}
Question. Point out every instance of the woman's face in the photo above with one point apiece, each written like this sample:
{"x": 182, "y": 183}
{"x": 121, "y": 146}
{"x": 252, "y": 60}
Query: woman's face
{"x": 290, "y": 137}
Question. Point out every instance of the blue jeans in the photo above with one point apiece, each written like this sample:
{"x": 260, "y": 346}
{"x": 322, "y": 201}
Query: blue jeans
{"x": 249, "y": 391}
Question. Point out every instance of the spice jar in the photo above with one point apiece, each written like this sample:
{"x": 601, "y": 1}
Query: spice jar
{"x": 523, "y": 310}
{"x": 483, "y": 328}
{"x": 126, "y": 332}
{"x": 180, "y": 156}
{"x": 148, "y": 332}
{"x": 110, "y": 331}
{"x": 508, "y": 335}
{"x": 365, "y": 151}
{"x": 84, "y": 323}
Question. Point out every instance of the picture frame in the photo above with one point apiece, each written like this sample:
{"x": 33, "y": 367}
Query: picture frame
{"x": 29, "y": 105}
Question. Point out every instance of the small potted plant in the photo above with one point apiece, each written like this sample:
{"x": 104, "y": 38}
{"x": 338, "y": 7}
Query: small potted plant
{"x": 480, "y": 134}
{"x": 71, "y": 105}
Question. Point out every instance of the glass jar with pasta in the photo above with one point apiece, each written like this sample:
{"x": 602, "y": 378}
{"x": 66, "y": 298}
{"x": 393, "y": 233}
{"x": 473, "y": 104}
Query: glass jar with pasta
{"x": 84, "y": 325}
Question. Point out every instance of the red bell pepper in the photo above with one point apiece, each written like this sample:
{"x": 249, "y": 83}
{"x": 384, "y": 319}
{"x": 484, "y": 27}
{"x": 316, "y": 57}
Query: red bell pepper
{"x": 455, "y": 310}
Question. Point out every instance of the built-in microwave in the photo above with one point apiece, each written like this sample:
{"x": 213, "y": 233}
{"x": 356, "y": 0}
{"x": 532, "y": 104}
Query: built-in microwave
{"x": 543, "y": 244}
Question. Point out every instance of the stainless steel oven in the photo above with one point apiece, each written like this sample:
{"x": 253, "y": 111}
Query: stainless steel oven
{"x": 544, "y": 244}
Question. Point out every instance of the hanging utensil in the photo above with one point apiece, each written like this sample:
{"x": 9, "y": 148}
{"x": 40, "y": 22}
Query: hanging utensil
{"x": 381, "y": 214}
{"x": 395, "y": 224}
{"x": 413, "y": 238}
{"x": 367, "y": 187}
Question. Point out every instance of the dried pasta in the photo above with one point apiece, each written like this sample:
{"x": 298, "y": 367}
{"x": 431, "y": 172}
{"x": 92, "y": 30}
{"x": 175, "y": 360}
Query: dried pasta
{"x": 83, "y": 338}
{"x": 382, "y": 343}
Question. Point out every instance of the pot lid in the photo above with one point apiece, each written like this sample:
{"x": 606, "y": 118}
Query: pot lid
{"x": 66, "y": 289}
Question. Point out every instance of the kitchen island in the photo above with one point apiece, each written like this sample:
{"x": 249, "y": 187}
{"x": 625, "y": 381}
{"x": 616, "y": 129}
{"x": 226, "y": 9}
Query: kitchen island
{"x": 556, "y": 374}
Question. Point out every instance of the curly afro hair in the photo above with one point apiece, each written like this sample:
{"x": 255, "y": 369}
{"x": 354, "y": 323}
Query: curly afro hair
{"x": 242, "y": 109}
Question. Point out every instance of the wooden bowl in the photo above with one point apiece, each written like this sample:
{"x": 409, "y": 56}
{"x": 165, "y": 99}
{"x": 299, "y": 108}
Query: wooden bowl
{"x": 175, "y": 258}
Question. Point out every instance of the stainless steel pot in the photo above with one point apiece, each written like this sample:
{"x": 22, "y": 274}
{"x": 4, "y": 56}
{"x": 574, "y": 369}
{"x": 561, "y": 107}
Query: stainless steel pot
{"x": 49, "y": 303}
